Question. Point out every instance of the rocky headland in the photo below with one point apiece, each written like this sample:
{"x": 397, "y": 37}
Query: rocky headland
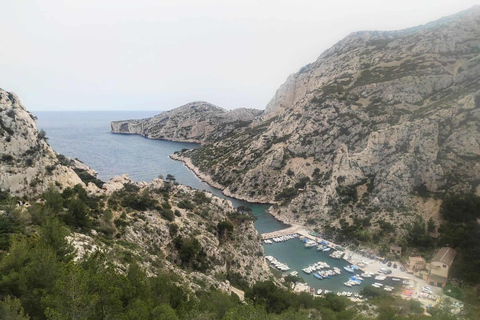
{"x": 197, "y": 122}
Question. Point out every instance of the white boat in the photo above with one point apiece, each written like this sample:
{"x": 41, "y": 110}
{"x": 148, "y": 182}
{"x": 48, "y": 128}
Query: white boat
{"x": 307, "y": 270}
{"x": 336, "y": 270}
{"x": 378, "y": 284}
{"x": 294, "y": 273}
{"x": 349, "y": 294}
{"x": 348, "y": 284}
{"x": 367, "y": 275}
{"x": 319, "y": 291}
{"x": 395, "y": 279}
{"x": 375, "y": 285}
{"x": 320, "y": 247}
{"x": 380, "y": 278}
{"x": 327, "y": 249}
{"x": 348, "y": 269}
{"x": 388, "y": 289}
{"x": 310, "y": 244}
{"x": 268, "y": 241}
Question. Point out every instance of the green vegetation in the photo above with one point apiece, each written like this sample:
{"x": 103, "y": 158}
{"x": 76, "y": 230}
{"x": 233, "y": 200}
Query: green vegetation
{"x": 225, "y": 229}
{"x": 286, "y": 195}
{"x": 87, "y": 177}
{"x": 462, "y": 232}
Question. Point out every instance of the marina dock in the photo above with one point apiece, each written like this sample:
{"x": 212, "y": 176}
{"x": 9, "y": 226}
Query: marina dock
{"x": 280, "y": 233}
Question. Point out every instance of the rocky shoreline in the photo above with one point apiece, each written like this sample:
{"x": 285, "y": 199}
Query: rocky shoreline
{"x": 208, "y": 180}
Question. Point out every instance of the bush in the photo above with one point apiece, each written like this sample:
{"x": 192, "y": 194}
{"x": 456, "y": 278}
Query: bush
{"x": 185, "y": 204}
{"x": 286, "y": 195}
{"x": 87, "y": 177}
{"x": 225, "y": 229}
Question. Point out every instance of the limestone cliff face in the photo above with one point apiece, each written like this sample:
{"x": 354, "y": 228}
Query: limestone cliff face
{"x": 194, "y": 122}
{"x": 377, "y": 116}
{"x": 28, "y": 165}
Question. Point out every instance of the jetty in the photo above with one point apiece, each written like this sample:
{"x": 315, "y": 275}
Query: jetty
{"x": 280, "y": 233}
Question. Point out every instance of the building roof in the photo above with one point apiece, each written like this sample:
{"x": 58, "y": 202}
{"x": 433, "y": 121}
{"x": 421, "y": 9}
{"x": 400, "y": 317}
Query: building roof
{"x": 445, "y": 255}
{"x": 417, "y": 259}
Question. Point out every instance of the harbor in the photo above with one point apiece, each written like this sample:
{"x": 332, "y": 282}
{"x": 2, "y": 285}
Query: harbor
{"x": 321, "y": 266}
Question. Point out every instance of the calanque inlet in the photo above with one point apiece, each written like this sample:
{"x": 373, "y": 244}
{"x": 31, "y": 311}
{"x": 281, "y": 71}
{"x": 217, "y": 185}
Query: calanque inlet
{"x": 355, "y": 194}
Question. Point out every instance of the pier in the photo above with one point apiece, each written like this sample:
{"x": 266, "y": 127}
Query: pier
{"x": 279, "y": 233}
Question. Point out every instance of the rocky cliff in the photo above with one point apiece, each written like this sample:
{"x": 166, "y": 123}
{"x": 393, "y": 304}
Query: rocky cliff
{"x": 376, "y": 120}
{"x": 165, "y": 227}
{"x": 194, "y": 122}
{"x": 28, "y": 165}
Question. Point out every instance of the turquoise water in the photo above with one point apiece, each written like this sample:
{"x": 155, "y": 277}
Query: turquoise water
{"x": 297, "y": 257}
{"x": 87, "y": 136}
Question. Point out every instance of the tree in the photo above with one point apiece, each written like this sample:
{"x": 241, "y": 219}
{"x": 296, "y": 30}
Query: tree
{"x": 53, "y": 233}
{"x": 71, "y": 298}
{"x": 77, "y": 215}
{"x": 11, "y": 309}
{"x": 170, "y": 178}
{"x": 225, "y": 229}
{"x": 431, "y": 225}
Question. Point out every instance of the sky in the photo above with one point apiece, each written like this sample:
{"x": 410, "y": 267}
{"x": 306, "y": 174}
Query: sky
{"x": 158, "y": 55}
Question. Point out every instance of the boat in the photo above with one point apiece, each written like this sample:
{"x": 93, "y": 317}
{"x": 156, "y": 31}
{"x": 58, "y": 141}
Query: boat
{"x": 319, "y": 291}
{"x": 310, "y": 244}
{"x": 380, "y": 278}
{"x": 294, "y": 273}
{"x": 348, "y": 284}
{"x": 378, "y": 284}
{"x": 307, "y": 270}
{"x": 348, "y": 269}
{"x": 327, "y": 291}
{"x": 336, "y": 270}
{"x": 327, "y": 249}
{"x": 316, "y": 275}
{"x": 395, "y": 279}
{"x": 320, "y": 247}
{"x": 375, "y": 285}
{"x": 388, "y": 289}
{"x": 367, "y": 275}
{"x": 349, "y": 294}
{"x": 268, "y": 241}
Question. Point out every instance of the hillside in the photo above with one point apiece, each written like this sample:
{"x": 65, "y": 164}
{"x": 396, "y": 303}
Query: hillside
{"x": 28, "y": 165}
{"x": 377, "y": 121}
{"x": 194, "y": 122}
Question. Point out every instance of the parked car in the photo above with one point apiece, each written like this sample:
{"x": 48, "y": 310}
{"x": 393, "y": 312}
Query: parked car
{"x": 388, "y": 271}
{"x": 395, "y": 266}
{"x": 389, "y": 264}
{"x": 403, "y": 269}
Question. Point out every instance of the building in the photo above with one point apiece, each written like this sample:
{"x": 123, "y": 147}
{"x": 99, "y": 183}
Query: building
{"x": 440, "y": 266}
{"x": 396, "y": 250}
{"x": 416, "y": 264}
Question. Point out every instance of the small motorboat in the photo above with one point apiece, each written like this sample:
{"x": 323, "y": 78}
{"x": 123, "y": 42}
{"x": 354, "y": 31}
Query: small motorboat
{"x": 348, "y": 269}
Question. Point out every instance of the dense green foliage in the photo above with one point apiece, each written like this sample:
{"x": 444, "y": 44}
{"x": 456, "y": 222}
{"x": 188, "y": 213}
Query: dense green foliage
{"x": 462, "y": 232}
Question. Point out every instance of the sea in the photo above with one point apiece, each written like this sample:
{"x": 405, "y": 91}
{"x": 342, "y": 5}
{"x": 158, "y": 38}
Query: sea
{"x": 87, "y": 136}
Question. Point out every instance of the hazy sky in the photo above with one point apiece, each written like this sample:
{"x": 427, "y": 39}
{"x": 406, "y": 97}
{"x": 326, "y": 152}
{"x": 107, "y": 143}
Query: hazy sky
{"x": 157, "y": 55}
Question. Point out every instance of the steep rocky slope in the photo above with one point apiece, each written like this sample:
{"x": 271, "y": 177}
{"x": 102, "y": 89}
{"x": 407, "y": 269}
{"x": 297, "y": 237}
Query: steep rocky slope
{"x": 157, "y": 225}
{"x": 376, "y": 120}
{"x": 194, "y": 122}
{"x": 28, "y": 165}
